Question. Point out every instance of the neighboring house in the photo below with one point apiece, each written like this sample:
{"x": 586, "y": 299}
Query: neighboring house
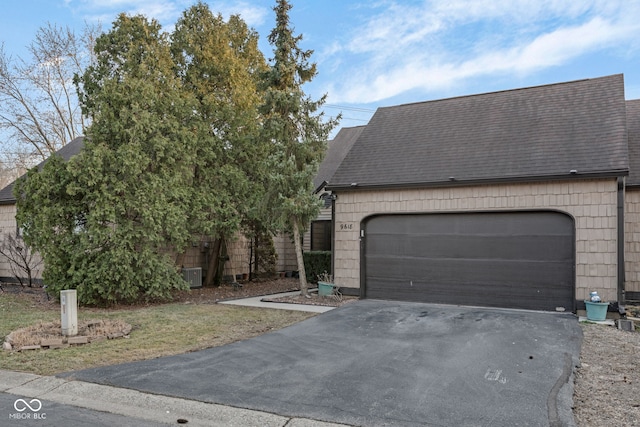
{"x": 509, "y": 199}
{"x": 8, "y": 211}
{"x": 197, "y": 256}
{"x": 319, "y": 237}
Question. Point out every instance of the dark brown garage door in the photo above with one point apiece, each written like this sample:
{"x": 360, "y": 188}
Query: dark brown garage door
{"x": 497, "y": 259}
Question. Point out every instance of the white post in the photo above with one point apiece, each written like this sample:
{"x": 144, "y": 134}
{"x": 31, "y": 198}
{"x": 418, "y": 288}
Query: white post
{"x": 69, "y": 312}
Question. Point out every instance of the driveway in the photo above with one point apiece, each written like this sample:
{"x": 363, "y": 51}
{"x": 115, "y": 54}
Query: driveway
{"x": 384, "y": 363}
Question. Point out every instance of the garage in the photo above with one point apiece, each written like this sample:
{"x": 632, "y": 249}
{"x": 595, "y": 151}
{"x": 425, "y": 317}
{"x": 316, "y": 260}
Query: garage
{"x": 520, "y": 259}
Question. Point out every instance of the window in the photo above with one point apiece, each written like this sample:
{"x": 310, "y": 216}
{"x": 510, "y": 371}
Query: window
{"x": 321, "y": 236}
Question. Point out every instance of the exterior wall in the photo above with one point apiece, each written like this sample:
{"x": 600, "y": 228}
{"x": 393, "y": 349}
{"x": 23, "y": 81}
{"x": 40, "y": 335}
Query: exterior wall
{"x": 238, "y": 249}
{"x": 7, "y": 218}
{"x": 8, "y": 225}
{"x": 632, "y": 240}
{"x": 306, "y": 239}
{"x": 286, "y": 253}
{"x": 195, "y": 256}
{"x": 239, "y": 256}
{"x": 592, "y": 203}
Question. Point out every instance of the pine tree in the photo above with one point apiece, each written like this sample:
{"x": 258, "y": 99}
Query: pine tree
{"x": 296, "y": 130}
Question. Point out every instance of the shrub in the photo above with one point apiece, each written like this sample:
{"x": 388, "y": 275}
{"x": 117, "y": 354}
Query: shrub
{"x": 315, "y": 263}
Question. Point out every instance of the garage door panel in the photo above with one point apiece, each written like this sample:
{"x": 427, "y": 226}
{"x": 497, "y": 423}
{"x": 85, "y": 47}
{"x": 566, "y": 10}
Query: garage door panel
{"x": 507, "y": 259}
{"x": 471, "y": 272}
{"x": 488, "y": 295}
{"x": 510, "y": 224}
{"x": 476, "y": 246}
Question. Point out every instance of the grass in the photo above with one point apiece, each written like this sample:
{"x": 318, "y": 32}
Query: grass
{"x": 158, "y": 330}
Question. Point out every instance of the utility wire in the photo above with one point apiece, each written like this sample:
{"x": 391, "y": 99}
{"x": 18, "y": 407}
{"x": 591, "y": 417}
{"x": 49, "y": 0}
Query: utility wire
{"x": 352, "y": 118}
{"x": 341, "y": 107}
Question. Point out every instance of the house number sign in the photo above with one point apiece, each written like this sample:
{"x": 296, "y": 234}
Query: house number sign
{"x": 346, "y": 226}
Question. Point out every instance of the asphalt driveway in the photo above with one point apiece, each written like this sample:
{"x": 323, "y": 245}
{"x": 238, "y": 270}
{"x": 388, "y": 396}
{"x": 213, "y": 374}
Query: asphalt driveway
{"x": 384, "y": 363}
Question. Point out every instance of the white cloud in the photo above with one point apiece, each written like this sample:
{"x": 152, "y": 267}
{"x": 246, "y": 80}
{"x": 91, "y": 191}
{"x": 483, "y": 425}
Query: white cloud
{"x": 164, "y": 11}
{"x": 251, "y": 14}
{"x": 437, "y": 45}
{"x": 106, "y": 11}
{"x": 565, "y": 44}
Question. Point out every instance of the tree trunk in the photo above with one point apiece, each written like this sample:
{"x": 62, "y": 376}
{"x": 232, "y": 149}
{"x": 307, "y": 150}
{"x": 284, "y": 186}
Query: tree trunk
{"x": 304, "y": 288}
{"x": 214, "y": 261}
{"x": 180, "y": 259}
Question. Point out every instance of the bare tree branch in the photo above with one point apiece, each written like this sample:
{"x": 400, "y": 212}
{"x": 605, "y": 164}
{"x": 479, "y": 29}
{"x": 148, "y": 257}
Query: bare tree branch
{"x": 23, "y": 262}
{"x": 39, "y": 108}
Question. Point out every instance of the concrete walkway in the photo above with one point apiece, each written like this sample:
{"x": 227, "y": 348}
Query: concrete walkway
{"x": 258, "y": 302}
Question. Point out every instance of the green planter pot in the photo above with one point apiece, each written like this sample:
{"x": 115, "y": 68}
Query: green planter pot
{"x": 325, "y": 289}
{"x": 596, "y": 311}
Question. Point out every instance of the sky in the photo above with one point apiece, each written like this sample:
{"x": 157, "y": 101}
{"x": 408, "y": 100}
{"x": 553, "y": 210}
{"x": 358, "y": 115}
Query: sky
{"x": 376, "y": 53}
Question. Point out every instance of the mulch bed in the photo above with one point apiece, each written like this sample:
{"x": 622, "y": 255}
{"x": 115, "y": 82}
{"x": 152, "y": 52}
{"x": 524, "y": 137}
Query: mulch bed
{"x": 205, "y": 295}
{"x": 48, "y": 335}
{"x": 253, "y": 288}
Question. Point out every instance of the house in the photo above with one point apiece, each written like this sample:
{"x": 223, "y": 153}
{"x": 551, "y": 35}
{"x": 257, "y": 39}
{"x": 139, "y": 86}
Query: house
{"x": 319, "y": 236}
{"x": 507, "y": 199}
{"x": 8, "y": 210}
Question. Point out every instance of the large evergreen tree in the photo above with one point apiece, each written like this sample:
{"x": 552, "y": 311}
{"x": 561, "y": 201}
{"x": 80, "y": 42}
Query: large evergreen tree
{"x": 219, "y": 63}
{"x": 128, "y": 186}
{"x": 168, "y": 154}
{"x": 296, "y": 130}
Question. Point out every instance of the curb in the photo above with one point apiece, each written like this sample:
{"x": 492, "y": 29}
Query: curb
{"x": 143, "y": 406}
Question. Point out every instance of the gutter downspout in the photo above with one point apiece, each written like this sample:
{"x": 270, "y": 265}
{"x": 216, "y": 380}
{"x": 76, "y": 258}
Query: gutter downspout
{"x": 334, "y": 196}
{"x": 621, "y": 241}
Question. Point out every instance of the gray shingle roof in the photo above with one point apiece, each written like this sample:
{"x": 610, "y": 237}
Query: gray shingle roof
{"x": 633, "y": 127}
{"x": 337, "y": 149}
{"x": 66, "y": 152}
{"x": 541, "y": 132}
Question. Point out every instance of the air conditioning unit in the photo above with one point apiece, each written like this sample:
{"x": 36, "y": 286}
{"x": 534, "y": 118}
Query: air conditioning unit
{"x": 193, "y": 276}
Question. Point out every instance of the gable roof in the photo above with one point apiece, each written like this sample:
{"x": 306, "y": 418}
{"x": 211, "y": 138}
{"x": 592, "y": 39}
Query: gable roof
{"x": 66, "y": 152}
{"x": 337, "y": 149}
{"x": 633, "y": 127}
{"x": 541, "y": 132}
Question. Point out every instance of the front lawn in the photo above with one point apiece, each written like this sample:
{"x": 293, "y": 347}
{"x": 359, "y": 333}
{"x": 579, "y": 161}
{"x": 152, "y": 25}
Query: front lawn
{"x": 158, "y": 330}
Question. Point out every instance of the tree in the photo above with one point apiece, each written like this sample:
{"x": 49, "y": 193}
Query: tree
{"x": 23, "y": 262}
{"x": 168, "y": 155}
{"x": 104, "y": 220}
{"x": 296, "y": 131}
{"x": 48, "y": 216}
{"x": 40, "y": 111}
{"x": 219, "y": 63}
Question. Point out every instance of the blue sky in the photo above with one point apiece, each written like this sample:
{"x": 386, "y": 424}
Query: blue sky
{"x": 374, "y": 53}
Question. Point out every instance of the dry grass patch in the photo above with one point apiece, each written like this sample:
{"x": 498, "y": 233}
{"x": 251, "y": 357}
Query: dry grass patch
{"x": 158, "y": 330}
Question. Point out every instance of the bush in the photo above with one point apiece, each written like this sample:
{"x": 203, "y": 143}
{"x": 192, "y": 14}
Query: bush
{"x": 315, "y": 263}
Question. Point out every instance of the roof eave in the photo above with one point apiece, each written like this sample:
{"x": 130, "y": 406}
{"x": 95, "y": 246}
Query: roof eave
{"x": 483, "y": 181}
{"x": 320, "y": 187}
